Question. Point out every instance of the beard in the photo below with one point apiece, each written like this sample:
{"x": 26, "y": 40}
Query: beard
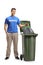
{"x": 12, "y": 14}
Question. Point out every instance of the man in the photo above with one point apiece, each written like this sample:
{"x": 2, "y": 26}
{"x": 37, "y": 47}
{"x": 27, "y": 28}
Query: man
{"x": 11, "y": 30}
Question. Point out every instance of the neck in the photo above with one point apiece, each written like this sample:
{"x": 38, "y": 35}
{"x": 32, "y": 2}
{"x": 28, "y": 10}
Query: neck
{"x": 12, "y": 15}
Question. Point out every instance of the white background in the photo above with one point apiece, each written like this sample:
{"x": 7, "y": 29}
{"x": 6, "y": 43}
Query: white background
{"x": 26, "y": 10}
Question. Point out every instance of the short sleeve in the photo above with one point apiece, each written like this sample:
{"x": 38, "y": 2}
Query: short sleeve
{"x": 6, "y": 21}
{"x": 18, "y": 22}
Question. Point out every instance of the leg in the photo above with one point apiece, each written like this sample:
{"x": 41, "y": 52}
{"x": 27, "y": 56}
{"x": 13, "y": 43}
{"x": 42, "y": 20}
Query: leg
{"x": 9, "y": 40}
{"x": 15, "y": 43}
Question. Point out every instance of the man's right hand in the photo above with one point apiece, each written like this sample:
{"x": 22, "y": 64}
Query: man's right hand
{"x": 26, "y": 24}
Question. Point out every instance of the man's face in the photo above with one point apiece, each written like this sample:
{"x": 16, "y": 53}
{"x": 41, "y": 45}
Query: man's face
{"x": 13, "y": 12}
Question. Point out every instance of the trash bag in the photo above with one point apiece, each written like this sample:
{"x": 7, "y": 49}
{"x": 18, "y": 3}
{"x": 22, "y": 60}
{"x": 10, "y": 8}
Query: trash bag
{"x": 28, "y": 31}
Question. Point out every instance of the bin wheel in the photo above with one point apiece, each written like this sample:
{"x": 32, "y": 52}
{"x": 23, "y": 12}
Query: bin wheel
{"x": 21, "y": 56}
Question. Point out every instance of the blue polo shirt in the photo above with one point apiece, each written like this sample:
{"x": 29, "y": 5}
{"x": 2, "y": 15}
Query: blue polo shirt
{"x": 12, "y": 22}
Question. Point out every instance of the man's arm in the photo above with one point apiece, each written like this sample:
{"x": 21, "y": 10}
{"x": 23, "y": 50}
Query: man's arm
{"x": 21, "y": 25}
{"x": 5, "y": 27}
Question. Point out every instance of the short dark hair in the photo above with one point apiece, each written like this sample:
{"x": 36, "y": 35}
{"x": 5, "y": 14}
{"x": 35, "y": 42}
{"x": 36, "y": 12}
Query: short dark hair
{"x": 13, "y": 9}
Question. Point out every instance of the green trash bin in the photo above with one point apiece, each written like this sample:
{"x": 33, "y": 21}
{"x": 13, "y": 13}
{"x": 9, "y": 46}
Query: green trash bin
{"x": 28, "y": 44}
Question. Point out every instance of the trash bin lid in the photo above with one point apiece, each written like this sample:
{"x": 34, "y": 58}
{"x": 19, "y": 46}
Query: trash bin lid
{"x": 30, "y": 35}
{"x": 24, "y": 22}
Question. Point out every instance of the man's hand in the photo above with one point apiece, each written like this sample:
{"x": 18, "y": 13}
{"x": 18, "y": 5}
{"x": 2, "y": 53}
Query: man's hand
{"x": 26, "y": 24}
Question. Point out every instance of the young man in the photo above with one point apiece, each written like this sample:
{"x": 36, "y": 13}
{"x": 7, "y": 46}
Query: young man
{"x": 11, "y": 30}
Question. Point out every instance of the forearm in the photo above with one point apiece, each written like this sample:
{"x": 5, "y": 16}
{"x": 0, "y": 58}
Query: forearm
{"x": 21, "y": 25}
{"x": 5, "y": 28}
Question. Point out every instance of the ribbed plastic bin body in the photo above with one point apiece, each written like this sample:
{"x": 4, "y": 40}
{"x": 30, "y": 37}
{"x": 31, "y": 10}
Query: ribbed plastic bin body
{"x": 29, "y": 42}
